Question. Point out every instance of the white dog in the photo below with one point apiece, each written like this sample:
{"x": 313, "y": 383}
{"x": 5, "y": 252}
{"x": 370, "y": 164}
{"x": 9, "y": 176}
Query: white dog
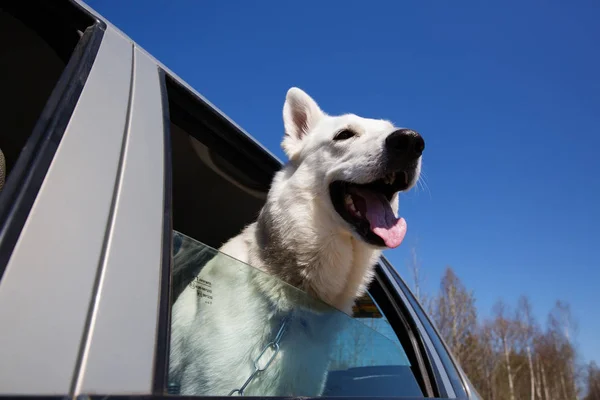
{"x": 330, "y": 212}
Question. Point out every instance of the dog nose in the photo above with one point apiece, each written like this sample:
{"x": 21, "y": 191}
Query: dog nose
{"x": 406, "y": 143}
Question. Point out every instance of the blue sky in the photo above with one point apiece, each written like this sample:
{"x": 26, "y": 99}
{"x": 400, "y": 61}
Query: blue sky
{"x": 506, "y": 95}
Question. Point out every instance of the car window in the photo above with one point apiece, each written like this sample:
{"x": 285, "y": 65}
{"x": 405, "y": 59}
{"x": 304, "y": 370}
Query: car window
{"x": 369, "y": 313}
{"x": 231, "y": 319}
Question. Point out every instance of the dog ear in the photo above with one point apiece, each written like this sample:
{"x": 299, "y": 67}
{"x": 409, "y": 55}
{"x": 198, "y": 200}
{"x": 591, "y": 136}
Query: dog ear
{"x": 300, "y": 115}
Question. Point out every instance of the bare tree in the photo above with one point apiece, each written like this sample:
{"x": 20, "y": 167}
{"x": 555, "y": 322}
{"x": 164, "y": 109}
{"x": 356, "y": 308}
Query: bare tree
{"x": 505, "y": 333}
{"x": 593, "y": 382}
{"x": 562, "y": 326}
{"x": 455, "y": 315}
{"x": 527, "y": 332}
{"x": 415, "y": 269}
{"x": 495, "y": 354}
{"x": 561, "y": 320}
{"x": 414, "y": 265}
{"x": 481, "y": 367}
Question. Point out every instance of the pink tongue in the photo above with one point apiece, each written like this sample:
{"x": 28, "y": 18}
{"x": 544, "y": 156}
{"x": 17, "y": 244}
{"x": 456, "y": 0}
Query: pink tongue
{"x": 382, "y": 219}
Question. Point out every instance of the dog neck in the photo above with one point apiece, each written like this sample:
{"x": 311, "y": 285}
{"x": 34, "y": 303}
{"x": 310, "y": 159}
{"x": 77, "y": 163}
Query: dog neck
{"x": 322, "y": 259}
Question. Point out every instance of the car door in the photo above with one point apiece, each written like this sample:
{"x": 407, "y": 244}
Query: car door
{"x": 59, "y": 200}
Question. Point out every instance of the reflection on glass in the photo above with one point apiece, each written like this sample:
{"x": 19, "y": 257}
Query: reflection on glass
{"x": 237, "y": 330}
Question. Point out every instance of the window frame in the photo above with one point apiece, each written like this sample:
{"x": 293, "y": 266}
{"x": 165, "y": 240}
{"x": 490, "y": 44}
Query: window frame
{"x": 162, "y": 346}
{"x": 450, "y": 365}
{"x": 205, "y": 122}
{"x": 194, "y": 111}
{"x": 406, "y": 331}
{"x": 25, "y": 180}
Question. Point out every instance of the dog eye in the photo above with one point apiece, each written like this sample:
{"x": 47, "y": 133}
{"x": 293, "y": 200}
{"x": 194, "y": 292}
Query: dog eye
{"x": 343, "y": 135}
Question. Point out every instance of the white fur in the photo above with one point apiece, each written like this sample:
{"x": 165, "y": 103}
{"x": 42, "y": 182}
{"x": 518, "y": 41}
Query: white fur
{"x": 213, "y": 346}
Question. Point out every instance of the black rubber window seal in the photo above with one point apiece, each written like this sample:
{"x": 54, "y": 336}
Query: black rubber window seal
{"x": 161, "y": 359}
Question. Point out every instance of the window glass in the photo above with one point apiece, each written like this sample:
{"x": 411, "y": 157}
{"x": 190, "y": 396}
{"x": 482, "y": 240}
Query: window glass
{"x": 230, "y": 320}
{"x": 368, "y": 311}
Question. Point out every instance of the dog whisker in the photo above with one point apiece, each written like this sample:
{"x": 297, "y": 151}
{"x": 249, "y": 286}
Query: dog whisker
{"x": 422, "y": 181}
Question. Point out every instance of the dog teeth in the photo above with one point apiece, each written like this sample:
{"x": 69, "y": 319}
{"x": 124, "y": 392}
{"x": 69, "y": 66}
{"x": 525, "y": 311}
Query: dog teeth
{"x": 351, "y": 206}
{"x": 354, "y": 210}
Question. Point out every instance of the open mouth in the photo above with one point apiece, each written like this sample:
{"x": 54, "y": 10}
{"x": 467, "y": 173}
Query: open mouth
{"x": 367, "y": 208}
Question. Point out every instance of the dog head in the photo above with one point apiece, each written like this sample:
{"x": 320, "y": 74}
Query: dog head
{"x": 355, "y": 167}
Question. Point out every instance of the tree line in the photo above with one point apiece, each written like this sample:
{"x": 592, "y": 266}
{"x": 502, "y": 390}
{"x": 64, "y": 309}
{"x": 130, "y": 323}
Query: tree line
{"x": 510, "y": 355}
